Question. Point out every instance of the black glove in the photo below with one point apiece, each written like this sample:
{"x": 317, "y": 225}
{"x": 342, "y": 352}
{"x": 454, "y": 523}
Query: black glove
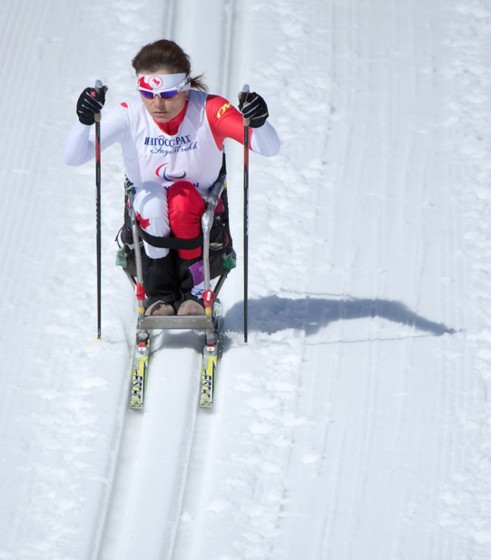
{"x": 254, "y": 108}
{"x": 91, "y": 101}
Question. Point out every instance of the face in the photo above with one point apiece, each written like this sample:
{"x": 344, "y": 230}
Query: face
{"x": 164, "y": 110}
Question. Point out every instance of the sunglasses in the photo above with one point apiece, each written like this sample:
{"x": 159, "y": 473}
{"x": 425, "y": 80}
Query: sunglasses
{"x": 168, "y": 94}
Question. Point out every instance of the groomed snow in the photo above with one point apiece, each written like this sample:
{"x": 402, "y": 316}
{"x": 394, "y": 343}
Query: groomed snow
{"x": 355, "y": 424}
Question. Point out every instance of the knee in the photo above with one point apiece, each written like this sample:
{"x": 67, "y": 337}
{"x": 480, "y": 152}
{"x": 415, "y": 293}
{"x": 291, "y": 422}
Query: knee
{"x": 183, "y": 196}
{"x": 151, "y": 201}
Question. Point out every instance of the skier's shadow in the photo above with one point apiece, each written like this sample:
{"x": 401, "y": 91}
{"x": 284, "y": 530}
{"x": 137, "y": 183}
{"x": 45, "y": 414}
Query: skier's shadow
{"x": 272, "y": 314}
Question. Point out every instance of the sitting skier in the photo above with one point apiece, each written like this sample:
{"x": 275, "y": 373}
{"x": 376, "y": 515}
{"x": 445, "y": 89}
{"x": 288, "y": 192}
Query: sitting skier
{"x": 172, "y": 134}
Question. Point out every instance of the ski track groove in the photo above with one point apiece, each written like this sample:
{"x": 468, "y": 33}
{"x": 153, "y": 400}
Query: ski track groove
{"x": 142, "y": 457}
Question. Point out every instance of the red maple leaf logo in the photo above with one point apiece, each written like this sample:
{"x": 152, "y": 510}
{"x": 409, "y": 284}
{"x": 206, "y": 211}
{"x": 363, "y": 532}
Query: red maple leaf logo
{"x": 144, "y": 222}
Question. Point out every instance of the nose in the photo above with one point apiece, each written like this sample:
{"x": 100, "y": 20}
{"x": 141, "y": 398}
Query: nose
{"x": 159, "y": 101}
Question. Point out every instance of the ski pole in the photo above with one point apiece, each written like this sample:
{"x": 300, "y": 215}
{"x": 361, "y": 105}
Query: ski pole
{"x": 242, "y": 98}
{"x": 97, "y": 117}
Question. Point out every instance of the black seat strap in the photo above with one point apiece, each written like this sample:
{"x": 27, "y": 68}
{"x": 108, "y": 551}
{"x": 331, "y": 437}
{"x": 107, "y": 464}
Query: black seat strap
{"x": 170, "y": 242}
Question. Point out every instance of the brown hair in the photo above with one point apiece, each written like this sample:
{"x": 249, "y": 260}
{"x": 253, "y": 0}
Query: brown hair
{"x": 169, "y": 55}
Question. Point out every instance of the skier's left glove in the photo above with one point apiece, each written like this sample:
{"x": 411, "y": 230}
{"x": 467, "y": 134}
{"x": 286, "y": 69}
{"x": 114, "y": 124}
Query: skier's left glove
{"x": 90, "y": 102}
{"x": 254, "y": 108}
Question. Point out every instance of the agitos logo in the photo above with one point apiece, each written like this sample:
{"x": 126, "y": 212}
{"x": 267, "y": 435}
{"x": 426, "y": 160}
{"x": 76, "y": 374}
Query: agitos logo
{"x": 161, "y": 172}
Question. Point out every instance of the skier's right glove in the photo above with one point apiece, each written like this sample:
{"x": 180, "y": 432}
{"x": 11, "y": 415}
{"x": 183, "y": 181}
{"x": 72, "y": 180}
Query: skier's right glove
{"x": 90, "y": 102}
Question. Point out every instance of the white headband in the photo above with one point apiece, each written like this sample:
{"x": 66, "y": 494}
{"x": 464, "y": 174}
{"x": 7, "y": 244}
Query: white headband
{"x": 163, "y": 82}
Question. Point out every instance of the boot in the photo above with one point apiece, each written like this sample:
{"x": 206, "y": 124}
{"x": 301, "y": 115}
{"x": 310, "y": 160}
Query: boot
{"x": 160, "y": 309}
{"x": 190, "y": 307}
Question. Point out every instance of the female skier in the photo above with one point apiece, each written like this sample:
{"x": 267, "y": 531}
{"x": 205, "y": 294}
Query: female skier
{"x": 172, "y": 134}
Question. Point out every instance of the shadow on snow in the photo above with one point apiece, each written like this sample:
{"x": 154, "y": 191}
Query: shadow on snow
{"x": 272, "y": 314}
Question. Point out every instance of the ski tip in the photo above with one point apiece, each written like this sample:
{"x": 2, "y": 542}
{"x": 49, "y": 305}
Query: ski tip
{"x": 136, "y": 403}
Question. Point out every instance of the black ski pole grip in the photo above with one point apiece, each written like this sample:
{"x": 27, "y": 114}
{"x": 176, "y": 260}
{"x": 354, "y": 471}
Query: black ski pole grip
{"x": 242, "y": 97}
{"x": 99, "y": 86}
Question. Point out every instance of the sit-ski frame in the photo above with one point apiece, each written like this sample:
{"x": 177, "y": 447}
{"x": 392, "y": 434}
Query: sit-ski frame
{"x": 206, "y": 322}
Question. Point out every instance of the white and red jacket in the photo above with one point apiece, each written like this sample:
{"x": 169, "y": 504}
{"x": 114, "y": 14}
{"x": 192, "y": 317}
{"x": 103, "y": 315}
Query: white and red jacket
{"x": 156, "y": 155}
{"x": 190, "y": 146}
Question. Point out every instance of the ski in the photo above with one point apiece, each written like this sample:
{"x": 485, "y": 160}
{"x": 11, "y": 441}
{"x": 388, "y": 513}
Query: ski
{"x": 209, "y": 364}
{"x": 139, "y": 370}
{"x": 209, "y": 359}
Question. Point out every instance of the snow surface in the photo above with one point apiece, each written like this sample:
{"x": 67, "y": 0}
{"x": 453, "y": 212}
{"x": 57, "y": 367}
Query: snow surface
{"x": 355, "y": 424}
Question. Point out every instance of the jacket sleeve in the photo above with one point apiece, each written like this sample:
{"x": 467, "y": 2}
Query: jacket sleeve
{"x": 265, "y": 140}
{"x": 80, "y": 142}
